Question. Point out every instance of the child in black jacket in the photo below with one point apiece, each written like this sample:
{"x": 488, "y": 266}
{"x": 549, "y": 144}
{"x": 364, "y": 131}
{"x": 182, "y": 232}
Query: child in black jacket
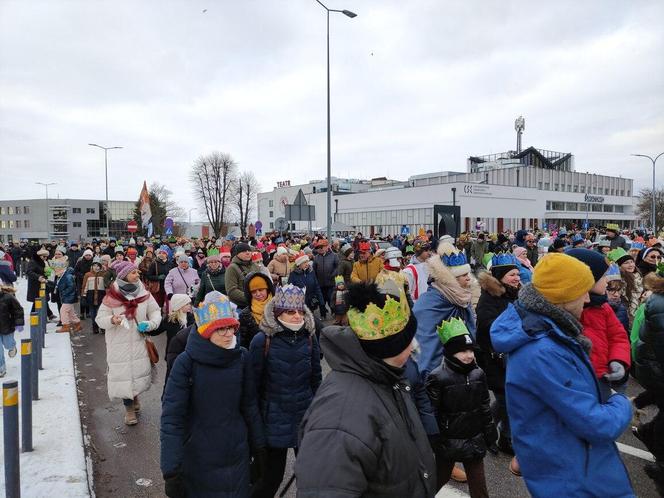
{"x": 460, "y": 398}
{"x": 11, "y": 320}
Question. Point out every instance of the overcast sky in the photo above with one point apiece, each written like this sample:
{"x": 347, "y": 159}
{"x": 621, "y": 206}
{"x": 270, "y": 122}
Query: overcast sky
{"x": 417, "y": 86}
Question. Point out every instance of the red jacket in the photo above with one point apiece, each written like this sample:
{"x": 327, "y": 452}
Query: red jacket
{"x": 610, "y": 341}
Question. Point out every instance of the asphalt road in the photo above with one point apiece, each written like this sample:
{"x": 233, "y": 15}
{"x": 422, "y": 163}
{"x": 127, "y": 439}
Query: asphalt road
{"x": 125, "y": 460}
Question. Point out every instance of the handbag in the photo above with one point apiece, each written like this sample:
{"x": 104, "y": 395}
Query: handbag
{"x": 153, "y": 354}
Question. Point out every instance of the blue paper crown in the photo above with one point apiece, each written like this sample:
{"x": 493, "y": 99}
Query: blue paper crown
{"x": 216, "y": 307}
{"x": 637, "y": 245}
{"x": 503, "y": 258}
{"x": 613, "y": 273}
{"x": 457, "y": 259}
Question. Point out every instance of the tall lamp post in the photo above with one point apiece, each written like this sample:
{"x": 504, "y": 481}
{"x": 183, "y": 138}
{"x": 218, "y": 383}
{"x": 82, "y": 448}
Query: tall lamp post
{"x": 46, "y": 185}
{"x": 654, "y": 219}
{"x": 106, "y": 149}
{"x": 350, "y": 14}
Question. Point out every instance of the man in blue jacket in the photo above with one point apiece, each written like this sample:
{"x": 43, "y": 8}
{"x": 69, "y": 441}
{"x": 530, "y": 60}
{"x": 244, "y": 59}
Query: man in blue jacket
{"x": 563, "y": 436}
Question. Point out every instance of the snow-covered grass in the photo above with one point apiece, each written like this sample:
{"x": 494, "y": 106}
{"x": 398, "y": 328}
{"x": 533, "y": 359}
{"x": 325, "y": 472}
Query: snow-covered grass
{"x": 57, "y": 465}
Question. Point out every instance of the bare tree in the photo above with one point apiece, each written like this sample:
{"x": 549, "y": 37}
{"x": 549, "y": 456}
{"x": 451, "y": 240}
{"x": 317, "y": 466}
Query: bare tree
{"x": 214, "y": 178}
{"x": 644, "y": 206}
{"x": 161, "y": 204}
{"x": 247, "y": 189}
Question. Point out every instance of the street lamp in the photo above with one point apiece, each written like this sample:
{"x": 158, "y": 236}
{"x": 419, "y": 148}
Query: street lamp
{"x": 46, "y": 185}
{"x": 106, "y": 149}
{"x": 654, "y": 226}
{"x": 349, "y": 14}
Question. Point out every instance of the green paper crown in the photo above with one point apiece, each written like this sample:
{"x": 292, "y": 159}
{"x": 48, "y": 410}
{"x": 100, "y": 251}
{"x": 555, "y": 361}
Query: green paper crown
{"x": 451, "y": 328}
{"x": 616, "y": 254}
{"x": 487, "y": 259}
{"x": 213, "y": 251}
{"x": 612, "y": 226}
{"x": 660, "y": 269}
{"x": 377, "y": 323}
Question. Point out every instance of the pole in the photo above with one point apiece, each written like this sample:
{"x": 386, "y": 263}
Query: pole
{"x": 329, "y": 156}
{"x": 48, "y": 232}
{"x": 108, "y": 229}
{"x": 654, "y": 208}
{"x": 10, "y": 436}
{"x": 26, "y": 395}
{"x": 34, "y": 337}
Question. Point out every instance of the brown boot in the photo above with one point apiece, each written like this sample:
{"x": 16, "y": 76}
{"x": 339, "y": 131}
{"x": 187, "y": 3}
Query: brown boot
{"x": 64, "y": 328}
{"x": 458, "y": 474}
{"x": 130, "y": 415}
{"x": 514, "y": 467}
{"x": 77, "y": 327}
{"x": 137, "y": 404}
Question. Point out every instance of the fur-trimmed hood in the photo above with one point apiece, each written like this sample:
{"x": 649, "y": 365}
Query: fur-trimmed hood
{"x": 439, "y": 273}
{"x": 271, "y": 326}
{"x": 654, "y": 283}
{"x": 7, "y": 289}
{"x": 490, "y": 284}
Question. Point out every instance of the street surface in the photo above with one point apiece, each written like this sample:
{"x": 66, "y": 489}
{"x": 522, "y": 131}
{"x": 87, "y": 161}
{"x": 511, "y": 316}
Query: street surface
{"x": 125, "y": 459}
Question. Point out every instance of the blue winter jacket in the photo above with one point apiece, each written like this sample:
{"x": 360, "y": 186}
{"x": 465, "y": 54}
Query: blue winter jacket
{"x": 66, "y": 287}
{"x": 210, "y": 420}
{"x": 287, "y": 370}
{"x": 563, "y": 436}
{"x": 525, "y": 274}
{"x": 430, "y": 310}
{"x": 420, "y": 397}
{"x": 307, "y": 280}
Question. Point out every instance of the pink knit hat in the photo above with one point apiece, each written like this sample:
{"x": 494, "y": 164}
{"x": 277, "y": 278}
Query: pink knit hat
{"x": 123, "y": 268}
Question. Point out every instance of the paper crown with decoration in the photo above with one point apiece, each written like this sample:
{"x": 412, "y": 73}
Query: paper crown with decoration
{"x": 453, "y": 327}
{"x": 216, "y": 311}
{"x": 502, "y": 259}
{"x": 339, "y": 279}
{"x": 613, "y": 227}
{"x": 59, "y": 263}
{"x": 376, "y": 323}
{"x": 613, "y": 273}
{"x": 618, "y": 256}
{"x": 288, "y": 297}
{"x": 486, "y": 260}
{"x": 421, "y": 244}
{"x": 637, "y": 246}
{"x": 453, "y": 259}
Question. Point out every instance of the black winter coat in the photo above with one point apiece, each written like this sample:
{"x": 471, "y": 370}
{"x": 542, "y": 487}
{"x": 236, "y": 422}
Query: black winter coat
{"x": 287, "y": 371}
{"x": 34, "y": 270}
{"x": 493, "y": 301}
{"x": 11, "y": 311}
{"x": 211, "y": 282}
{"x": 210, "y": 420}
{"x": 649, "y": 351}
{"x": 158, "y": 271}
{"x": 460, "y": 398}
{"x": 362, "y": 435}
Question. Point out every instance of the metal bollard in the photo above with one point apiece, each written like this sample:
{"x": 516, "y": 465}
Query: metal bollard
{"x": 36, "y": 340}
{"x": 34, "y": 337}
{"x": 26, "y": 395}
{"x": 10, "y": 429}
{"x": 43, "y": 323}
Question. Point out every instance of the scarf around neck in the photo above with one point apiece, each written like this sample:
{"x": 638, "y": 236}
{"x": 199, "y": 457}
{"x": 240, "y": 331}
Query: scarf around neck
{"x": 258, "y": 307}
{"x": 533, "y": 301}
{"x": 455, "y": 294}
{"x": 114, "y": 298}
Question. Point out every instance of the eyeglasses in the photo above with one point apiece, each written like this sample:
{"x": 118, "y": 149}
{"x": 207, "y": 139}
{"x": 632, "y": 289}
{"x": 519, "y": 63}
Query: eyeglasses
{"x": 294, "y": 312}
{"x": 225, "y": 331}
{"x": 613, "y": 291}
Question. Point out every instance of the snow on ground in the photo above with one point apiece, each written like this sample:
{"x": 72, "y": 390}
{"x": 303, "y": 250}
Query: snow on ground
{"x": 57, "y": 465}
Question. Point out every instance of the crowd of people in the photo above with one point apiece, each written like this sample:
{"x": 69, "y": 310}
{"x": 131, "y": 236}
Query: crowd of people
{"x": 440, "y": 351}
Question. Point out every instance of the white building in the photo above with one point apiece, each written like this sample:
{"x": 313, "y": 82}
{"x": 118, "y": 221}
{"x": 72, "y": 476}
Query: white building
{"x": 529, "y": 189}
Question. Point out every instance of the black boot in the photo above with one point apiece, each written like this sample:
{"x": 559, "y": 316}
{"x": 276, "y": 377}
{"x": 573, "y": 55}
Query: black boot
{"x": 95, "y": 328}
{"x": 505, "y": 445}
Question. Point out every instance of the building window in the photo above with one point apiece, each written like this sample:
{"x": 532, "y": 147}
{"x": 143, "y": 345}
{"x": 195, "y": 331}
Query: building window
{"x": 2, "y": 210}
{"x": 76, "y": 224}
{"x": 546, "y": 185}
{"x": 26, "y": 224}
{"x": 26, "y": 209}
{"x": 576, "y": 188}
{"x": 270, "y": 203}
{"x": 17, "y": 209}
{"x": 539, "y": 185}
{"x": 571, "y": 206}
{"x": 271, "y": 225}
{"x": 583, "y": 206}
{"x": 606, "y": 191}
{"x": 628, "y": 193}
{"x": 582, "y": 189}
{"x": 271, "y": 214}
{"x": 597, "y": 208}
{"x": 618, "y": 209}
{"x": 18, "y": 223}
{"x": 89, "y": 210}
{"x": 10, "y": 210}
{"x": 608, "y": 208}
{"x": 3, "y": 224}
{"x": 557, "y": 206}
{"x": 622, "y": 193}
{"x": 11, "y": 223}
{"x": 555, "y": 187}
{"x": 76, "y": 210}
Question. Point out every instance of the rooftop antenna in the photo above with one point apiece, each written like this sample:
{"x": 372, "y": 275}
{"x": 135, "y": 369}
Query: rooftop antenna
{"x": 519, "y": 126}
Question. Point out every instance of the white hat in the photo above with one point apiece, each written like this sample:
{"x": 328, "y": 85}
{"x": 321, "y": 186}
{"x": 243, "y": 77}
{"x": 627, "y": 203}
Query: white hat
{"x": 87, "y": 252}
{"x": 281, "y": 250}
{"x": 301, "y": 259}
{"x": 178, "y": 301}
{"x": 392, "y": 255}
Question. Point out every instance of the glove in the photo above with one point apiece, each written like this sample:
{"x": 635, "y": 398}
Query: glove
{"x": 259, "y": 466}
{"x": 174, "y": 486}
{"x": 169, "y": 296}
{"x": 617, "y": 371}
{"x": 142, "y": 327}
{"x": 18, "y": 328}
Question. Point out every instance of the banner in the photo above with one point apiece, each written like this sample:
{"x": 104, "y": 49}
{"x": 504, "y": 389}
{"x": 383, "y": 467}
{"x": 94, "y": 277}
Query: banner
{"x": 146, "y": 212}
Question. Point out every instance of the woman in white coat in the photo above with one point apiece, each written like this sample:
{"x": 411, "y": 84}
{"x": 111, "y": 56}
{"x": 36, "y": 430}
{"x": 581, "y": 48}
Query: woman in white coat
{"x": 127, "y": 312}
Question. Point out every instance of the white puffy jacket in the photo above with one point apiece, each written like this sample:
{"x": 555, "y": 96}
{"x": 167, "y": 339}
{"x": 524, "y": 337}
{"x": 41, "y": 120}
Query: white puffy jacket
{"x": 126, "y": 355}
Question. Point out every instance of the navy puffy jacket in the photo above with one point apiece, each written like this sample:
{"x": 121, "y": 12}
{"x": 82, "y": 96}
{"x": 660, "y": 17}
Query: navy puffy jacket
{"x": 66, "y": 286}
{"x": 287, "y": 375}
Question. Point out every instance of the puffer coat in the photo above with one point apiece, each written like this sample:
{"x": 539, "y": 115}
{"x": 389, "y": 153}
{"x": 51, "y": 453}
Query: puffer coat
{"x": 11, "y": 311}
{"x": 306, "y": 279}
{"x": 34, "y": 270}
{"x": 460, "y": 398}
{"x": 287, "y": 370}
{"x": 362, "y": 435}
{"x": 126, "y": 355}
{"x": 67, "y": 288}
{"x": 211, "y": 281}
{"x": 235, "y": 275}
{"x": 649, "y": 350}
{"x": 210, "y": 420}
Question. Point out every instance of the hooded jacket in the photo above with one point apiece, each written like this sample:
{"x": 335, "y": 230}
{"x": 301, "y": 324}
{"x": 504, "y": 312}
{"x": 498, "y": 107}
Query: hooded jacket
{"x": 236, "y": 273}
{"x": 287, "y": 370}
{"x": 365, "y": 425}
{"x": 563, "y": 436}
{"x": 366, "y": 271}
{"x": 210, "y": 420}
{"x": 248, "y": 326}
{"x": 649, "y": 350}
{"x": 431, "y": 309}
{"x": 494, "y": 299}
{"x": 11, "y": 311}
{"x": 67, "y": 288}
{"x": 34, "y": 270}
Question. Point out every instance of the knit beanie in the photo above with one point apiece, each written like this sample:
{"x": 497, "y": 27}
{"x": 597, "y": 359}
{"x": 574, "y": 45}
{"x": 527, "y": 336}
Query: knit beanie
{"x": 281, "y": 250}
{"x": 288, "y": 297}
{"x": 87, "y": 252}
{"x": 596, "y": 261}
{"x": 123, "y": 268}
{"x": 242, "y": 247}
{"x": 613, "y": 273}
{"x": 561, "y": 278}
{"x": 346, "y": 249}
{"x": 455, "y": 337}
{"x": 178, "y": 301}
{"x": 301, "y": 258}
{"x": 182, "y": 258}
{"x": 215, "y": 312}
{"x": 383, "y": 323}
{"x": 257, "y": 282}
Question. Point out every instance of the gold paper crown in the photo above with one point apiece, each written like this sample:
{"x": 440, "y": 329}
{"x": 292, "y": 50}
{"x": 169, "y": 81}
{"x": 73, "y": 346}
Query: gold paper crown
{"x": 377, "y": 323}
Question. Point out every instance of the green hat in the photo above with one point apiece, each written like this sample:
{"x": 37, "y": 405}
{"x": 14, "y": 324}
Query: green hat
{"x": 619, "y": 256}
{"x": 487, "y": 259}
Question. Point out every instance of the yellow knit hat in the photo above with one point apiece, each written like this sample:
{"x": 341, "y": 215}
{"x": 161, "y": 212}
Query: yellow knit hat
{"x": 561, "y": 278}
{"x": 256, "y": 283}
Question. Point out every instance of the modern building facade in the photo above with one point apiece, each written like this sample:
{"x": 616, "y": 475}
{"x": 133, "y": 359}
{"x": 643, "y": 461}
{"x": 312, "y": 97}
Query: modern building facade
{"x": 533, "y": 188}
{"x": 70, "y": 219}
